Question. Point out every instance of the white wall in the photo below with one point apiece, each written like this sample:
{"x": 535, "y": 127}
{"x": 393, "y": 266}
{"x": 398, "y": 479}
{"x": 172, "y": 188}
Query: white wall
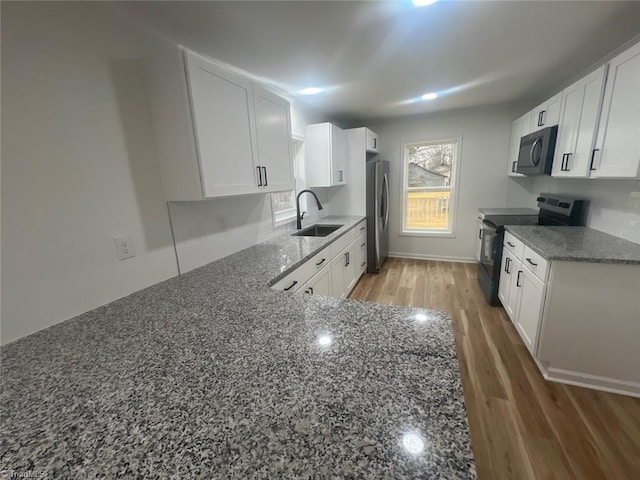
{"x": 612, "y": 207}
{"x": 485, "y": 136}
{"x": 78, "y": 166}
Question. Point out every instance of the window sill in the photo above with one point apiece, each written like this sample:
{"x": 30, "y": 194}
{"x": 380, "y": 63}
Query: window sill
{"x": 414, "y": 233}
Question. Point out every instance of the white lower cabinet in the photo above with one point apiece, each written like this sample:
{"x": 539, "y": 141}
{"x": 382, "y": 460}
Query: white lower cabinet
{"x": 532, "y": 292}
{"x": 504, "y": 287}
{"x": 522, "y": 295}
{"x": 338, "y": 265}
{"x": 579, "y": 320}
{"x": 345, "y": 270}
{"x": 333, "y": 271}
{"x": 320, "y": 284}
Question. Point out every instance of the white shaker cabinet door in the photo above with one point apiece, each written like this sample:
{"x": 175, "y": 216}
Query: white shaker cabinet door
{"x": 339, "y": 156}
{"x": 320, "y": 284}
{"x": 221, "y": 104}
{"x": 519, "y": 129}
{"x": 617, "y": 149}
{"x": 273, "y": 128}
{"x": 546, "y": 114}
{"x": 338, "y": 265}
{"x": 530, "y": 308}
{"x": 579, "y": 115}
{"x": 504, "y": 285}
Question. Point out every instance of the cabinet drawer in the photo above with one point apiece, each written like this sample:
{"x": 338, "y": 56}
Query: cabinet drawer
{"x": 344, "y": 241}
{"x": 535, "y": 263}
{"x": 304, "y": 272}
{"x": 293, "y": 281}
{"x": 361, "y": 228}
{"x": 514, "y": 245}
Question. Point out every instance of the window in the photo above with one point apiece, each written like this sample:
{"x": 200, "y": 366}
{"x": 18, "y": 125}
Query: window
{"x": 429, "y": 187}
{"x": 283, "y": 204}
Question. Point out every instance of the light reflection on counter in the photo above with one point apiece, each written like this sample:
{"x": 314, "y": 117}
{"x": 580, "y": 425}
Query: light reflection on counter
{"x": 421, "y": 317}
{"x": 413, "y": 443}
{"x": 324, "y": 340}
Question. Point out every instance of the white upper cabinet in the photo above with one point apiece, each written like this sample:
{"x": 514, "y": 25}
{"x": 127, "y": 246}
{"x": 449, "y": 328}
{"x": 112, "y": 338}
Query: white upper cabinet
{"x": 273, "y": 129}
{"x": 617, "y": 149}
{"x": 325, "y": 155}
{"x": 581, "y": 103}
{"x": 217, "y": 133}
{"x": 519, "y": 129}
{"x": 545, "y": 114}
{"x": 372, "y": 141}
{"x": 223, "y": 118}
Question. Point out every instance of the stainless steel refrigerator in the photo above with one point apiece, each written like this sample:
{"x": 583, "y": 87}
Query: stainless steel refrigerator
{"x": 377, "y": 214}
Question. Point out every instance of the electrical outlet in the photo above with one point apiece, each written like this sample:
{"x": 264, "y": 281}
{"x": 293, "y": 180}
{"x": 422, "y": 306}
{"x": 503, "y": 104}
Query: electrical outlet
{"x": 124, "y": 246}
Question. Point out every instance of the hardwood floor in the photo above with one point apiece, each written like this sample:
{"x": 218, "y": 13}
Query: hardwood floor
{"x": 521, "y": 426}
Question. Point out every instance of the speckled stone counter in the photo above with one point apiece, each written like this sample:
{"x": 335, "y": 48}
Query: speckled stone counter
{"x": 576, "y": 244}
{"x": 214, "y": 375}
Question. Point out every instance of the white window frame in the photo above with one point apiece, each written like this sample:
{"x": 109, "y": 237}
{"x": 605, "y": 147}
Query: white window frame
{"x": 454, "y": 188}
{"x": 286, "y": 217}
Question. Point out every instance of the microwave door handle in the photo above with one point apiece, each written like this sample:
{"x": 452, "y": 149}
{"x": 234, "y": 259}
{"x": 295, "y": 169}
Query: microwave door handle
{"x": 533, "y": 148}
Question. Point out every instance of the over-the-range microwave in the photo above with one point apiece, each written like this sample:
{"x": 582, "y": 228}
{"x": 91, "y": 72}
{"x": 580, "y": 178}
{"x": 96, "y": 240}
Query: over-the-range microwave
{"x": 536, "y": 152}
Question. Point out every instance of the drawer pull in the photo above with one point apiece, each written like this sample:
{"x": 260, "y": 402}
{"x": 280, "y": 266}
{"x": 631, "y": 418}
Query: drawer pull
{"x": 529, "y": 260}
{"x": 363, "y": 264}
{"x": 362, "y": 228}
{"x": 321, "y": 262}
{"x": 363, "y": 244}
{"x": 295, "y": 282}
{"x": 507, "y": 262}
{"x": 511, "y": 244}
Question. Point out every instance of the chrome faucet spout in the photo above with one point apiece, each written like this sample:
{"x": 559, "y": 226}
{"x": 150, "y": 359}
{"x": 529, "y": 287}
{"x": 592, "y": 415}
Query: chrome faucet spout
{"x": 298, "y": 216}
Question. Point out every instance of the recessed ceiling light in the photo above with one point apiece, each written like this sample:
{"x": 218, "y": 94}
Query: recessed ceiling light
{"x": 310, "y": 91}
{"x": 430, "y": 96}
{"x": 423, "y": 3}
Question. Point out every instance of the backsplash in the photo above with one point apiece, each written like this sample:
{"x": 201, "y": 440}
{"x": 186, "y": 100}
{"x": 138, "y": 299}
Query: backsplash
{"x": 614, "y": 204}
{"x": 208, "y": 230}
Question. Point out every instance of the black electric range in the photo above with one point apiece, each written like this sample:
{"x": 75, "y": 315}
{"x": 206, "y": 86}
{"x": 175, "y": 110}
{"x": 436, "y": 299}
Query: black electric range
{"x": 554, "y": 209}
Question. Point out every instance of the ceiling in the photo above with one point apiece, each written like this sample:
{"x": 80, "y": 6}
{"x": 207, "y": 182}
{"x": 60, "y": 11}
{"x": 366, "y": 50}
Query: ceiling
{"x": 375, "y": 59}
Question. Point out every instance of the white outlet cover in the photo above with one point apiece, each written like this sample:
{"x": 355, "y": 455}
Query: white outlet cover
{"x": 124, "y": 246}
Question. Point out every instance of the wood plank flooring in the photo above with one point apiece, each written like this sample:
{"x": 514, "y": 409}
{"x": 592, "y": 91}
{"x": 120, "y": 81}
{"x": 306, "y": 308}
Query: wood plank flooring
{"x": 522, "y": 427}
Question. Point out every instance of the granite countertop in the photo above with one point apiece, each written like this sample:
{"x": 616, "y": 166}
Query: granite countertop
{"x": 214, "y": 375}
{"x": 576, "y": 244}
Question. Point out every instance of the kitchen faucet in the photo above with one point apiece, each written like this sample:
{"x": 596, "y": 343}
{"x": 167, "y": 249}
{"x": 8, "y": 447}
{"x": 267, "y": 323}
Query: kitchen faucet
{"x": 298, "y": 215}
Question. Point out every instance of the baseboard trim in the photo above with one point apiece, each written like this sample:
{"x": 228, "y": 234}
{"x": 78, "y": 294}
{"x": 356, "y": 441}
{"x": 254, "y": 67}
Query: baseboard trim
{"x": 595, "y": 382}
{"x": 418, "y": 256}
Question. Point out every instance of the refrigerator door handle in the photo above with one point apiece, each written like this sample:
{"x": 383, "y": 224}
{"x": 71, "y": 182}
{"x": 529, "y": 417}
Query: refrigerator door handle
{"x": 385, "y": 183}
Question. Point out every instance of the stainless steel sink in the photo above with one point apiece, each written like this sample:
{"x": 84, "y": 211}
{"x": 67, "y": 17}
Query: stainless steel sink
{"x": 317, "y": 231}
